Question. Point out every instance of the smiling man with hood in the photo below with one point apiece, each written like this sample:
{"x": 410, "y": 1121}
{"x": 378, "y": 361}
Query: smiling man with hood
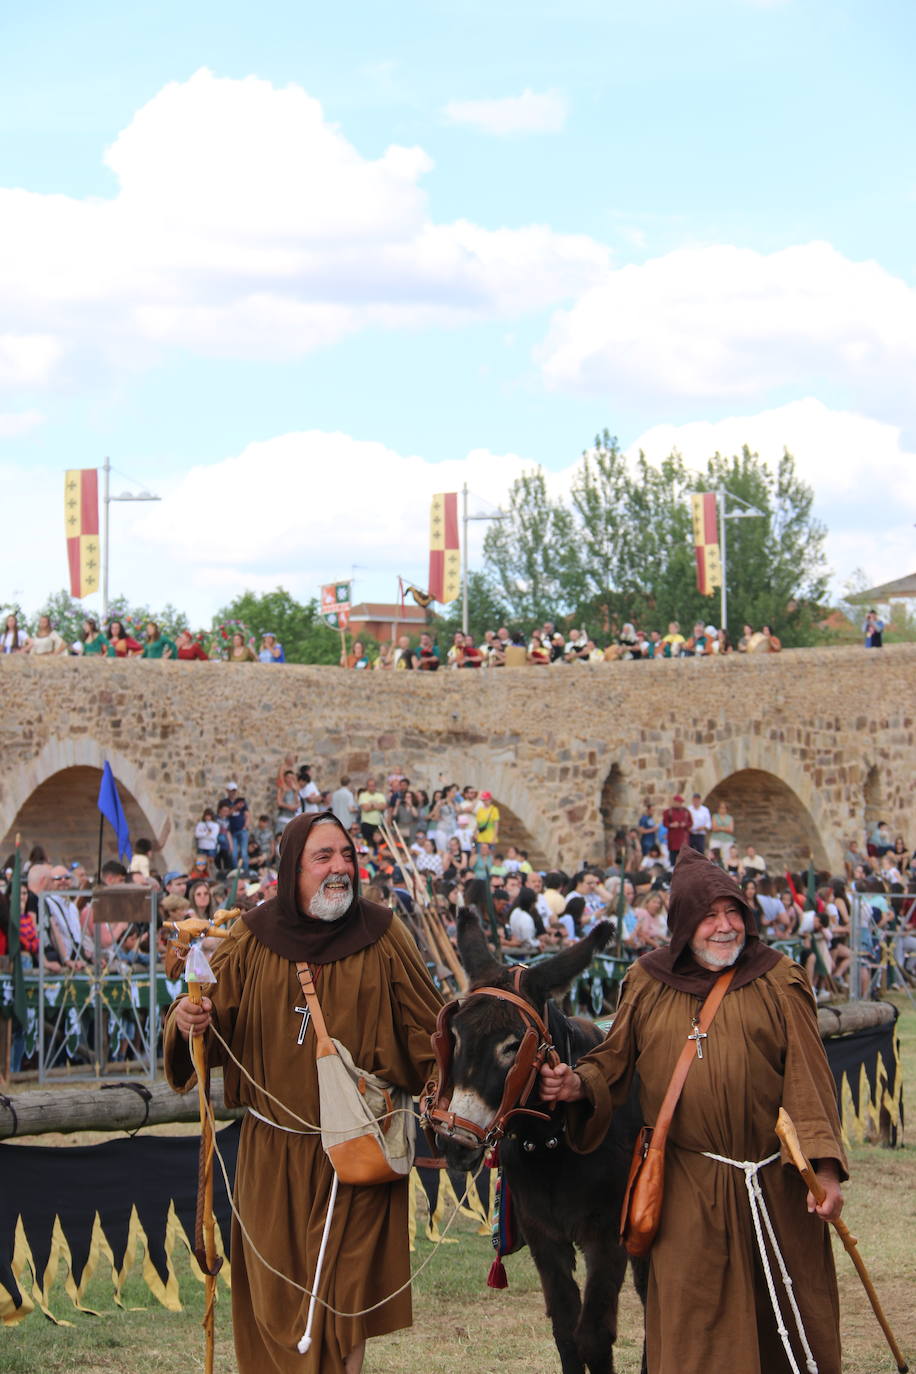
{"x": 378, "y": 1000}
{"x": 708, "y": 1305}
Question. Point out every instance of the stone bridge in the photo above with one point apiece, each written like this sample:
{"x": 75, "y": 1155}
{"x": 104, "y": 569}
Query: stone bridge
{"x": 805, "y": 747}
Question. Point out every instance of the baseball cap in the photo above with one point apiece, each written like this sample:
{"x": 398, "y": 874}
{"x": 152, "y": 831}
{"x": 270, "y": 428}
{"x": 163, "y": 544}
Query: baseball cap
{"x": 678, "y": 797}
{"x": 486, "y": 796}
{"x": 232, "y": 785}
{"x": 172, "y": 875}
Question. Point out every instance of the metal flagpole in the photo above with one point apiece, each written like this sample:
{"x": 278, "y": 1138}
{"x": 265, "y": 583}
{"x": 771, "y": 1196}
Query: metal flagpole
{"x": 107, "y": 499}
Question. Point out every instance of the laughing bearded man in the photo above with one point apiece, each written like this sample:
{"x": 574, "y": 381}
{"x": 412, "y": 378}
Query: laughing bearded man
{"x": 378, "y": 1001}
{"x": 709, "y": 1306}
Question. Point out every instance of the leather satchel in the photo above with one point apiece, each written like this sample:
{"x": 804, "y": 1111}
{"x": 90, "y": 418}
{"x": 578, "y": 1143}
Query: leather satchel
{"x": 366, "y": 1123}
{"x": 641, "y": 1212}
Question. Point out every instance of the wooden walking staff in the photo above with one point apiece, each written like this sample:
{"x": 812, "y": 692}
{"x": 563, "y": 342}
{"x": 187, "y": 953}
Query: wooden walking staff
{"x": 785, "y": 1129}
{"x": 443, "y": 942}
{"x": 197, "y": 973}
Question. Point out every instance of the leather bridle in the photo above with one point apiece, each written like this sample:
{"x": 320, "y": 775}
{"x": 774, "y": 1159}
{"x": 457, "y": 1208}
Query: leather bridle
{"x": 535, "y": 1050}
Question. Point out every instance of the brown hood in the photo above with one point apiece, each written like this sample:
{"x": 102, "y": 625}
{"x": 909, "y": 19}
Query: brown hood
{"x": 284, "y": 929}
{"x": 697, "y": 882}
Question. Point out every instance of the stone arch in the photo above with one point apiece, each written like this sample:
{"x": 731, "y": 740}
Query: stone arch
{"x": 773, "y": 761}
{"x": 769, "y": 815}
{"x": 59, "y": 757}
{"x": 522, "y": 820}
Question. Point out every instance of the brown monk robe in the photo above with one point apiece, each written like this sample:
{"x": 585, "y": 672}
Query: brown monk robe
{"x": 379, "y": 1001}
{"x": 708, "y": 1306}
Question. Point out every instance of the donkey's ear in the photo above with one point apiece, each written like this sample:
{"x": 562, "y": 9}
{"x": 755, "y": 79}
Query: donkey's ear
{"x": 476, "y": 955}
{"x": 554, "y": 975}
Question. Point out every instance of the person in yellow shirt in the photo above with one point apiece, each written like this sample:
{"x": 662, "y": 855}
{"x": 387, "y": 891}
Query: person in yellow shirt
{"x": 487, "y": 820}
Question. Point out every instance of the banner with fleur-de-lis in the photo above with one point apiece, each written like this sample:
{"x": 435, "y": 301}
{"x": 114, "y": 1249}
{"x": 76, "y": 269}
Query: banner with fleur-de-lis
{"x": 81, "y": 521}
{"x": 444, "y": 549}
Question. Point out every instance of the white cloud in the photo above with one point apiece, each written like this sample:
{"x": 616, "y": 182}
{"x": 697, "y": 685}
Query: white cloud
{"x": 532, "y": 112}
{"x": 246, "y": 224}
{"x": 859, "y": 467}
{"x": 720, "y": 323}
{"x": 15, "y": 423}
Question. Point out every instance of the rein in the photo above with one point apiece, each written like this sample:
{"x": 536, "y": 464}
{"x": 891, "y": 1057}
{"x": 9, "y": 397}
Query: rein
{"x": 535, "y": 1050}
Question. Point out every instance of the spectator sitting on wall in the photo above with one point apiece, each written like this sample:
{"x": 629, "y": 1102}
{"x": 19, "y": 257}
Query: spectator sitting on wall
{"x": 13, "y": 640}
{"x": 45, "y": 640}
{"x": 271, "y": 651}
{"x": 403, "y": 657}
{"x": 873, "y": 630}
{"x": 120, "y": 643}
{"x": 427, "y": 656}
{"x": 239, "y": 651}
{"x": 156, "y": 644}
{"x": 187, "y": 647}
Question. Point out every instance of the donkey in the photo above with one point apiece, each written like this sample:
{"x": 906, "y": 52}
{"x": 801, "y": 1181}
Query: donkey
{"x": 562, "y": 1200}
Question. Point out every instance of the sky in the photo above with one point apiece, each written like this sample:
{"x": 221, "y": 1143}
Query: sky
{"x": 294, "y": 268}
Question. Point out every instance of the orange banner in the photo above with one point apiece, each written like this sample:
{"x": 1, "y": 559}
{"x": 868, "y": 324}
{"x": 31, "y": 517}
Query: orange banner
{"x": 81, "y": 521}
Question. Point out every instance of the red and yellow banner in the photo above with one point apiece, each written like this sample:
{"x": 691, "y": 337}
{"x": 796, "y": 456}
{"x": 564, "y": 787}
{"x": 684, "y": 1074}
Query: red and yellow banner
{"x": 706, "y": 541}
{"x": 81, "y": 521}
{"x": 444, "y": 548}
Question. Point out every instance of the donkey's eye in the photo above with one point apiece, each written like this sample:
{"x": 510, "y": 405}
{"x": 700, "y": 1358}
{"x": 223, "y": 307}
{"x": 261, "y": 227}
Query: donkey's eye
{"x": 507, "y": 1049}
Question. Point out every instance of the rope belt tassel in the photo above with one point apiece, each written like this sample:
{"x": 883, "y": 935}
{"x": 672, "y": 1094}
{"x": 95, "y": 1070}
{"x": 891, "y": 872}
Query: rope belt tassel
{"x": 761, "y": 1218}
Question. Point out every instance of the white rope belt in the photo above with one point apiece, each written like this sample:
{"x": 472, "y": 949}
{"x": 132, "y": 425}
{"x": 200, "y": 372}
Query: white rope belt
{"x": 759, "y": 1213}
{"x": 291, "y": 1130}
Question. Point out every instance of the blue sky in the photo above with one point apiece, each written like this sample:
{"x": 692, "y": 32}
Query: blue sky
{"x": 243, "y": 249}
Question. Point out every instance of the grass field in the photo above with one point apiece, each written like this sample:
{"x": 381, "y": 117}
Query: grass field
{"x": 458, "y": 1322}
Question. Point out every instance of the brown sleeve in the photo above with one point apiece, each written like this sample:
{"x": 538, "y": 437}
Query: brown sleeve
{"x": 606, "y": 1072}
{"x": 809, "y": 1091}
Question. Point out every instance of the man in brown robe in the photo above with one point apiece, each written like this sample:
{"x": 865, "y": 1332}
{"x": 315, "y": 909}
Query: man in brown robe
{"x": 378, "y": 1001}
{"x": 709, "y": 1307}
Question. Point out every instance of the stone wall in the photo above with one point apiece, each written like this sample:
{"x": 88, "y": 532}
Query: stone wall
{"x": 789, "y": 740}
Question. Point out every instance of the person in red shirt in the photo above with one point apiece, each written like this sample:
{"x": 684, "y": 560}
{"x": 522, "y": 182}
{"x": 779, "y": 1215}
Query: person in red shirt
{"x": 189, "y": 647}
{"x": 677, "y": 822}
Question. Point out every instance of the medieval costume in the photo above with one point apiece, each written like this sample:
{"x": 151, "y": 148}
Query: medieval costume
{"x": 378, "y": 1001}
{"x": 709, "y": 1306}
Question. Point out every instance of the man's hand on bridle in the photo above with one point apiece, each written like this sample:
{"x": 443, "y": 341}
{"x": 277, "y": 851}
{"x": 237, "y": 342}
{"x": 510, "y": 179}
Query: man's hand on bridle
{"x": 560, "y": 1084}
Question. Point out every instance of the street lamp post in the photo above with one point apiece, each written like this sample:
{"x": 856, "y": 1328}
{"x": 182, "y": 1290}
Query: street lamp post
{"x": 465, "y": 519}
{"x": 748, "y": 513}
{"x": 107, "y": 499}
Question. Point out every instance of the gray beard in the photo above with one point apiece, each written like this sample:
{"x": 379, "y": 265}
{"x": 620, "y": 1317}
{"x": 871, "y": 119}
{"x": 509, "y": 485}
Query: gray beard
{"x": 331, "y": 905}
{"x": 728, "y": 956}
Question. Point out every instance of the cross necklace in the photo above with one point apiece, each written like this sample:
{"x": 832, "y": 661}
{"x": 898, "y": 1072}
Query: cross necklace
{"x": 696, "y": 1035}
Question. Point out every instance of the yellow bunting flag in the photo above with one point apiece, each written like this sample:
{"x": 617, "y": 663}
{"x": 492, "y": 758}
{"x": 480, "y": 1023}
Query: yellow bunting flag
{"x": 444, "y": 549}
{"x": 81, "y": 522}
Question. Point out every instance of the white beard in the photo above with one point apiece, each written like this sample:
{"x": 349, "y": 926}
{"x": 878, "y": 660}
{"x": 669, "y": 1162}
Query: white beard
{"x": 722, "y": 957}
{"x": 332, "y": 901}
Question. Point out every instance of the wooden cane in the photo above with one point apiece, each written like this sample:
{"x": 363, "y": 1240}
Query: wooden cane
{"x": 785, "y": 1129}
{"x": 443, "y": 942}
{"x": 198, "y": 1055}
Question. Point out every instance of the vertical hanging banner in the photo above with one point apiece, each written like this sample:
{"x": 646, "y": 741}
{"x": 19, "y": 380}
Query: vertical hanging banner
{"x": 335, "y": 605}
{"x": 444, "y": 548}
{"x": 706, "y": 541}
{"x": 81, "y": 521}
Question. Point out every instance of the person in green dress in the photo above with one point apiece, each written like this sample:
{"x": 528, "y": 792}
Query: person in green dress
{"x": 156, "y": 644}
{"x": 92, "y": 639}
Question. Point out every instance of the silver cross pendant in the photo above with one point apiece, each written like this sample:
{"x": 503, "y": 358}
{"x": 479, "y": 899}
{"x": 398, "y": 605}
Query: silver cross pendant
{"x": 697, "y": 1036}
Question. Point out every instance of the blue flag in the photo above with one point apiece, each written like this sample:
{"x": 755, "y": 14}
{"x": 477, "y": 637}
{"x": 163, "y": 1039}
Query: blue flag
{"x": 111, "y": 808}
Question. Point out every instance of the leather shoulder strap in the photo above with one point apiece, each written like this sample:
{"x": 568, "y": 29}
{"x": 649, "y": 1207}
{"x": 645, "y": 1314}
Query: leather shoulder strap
{"x": 307, "y": 984}
{"x": 687, "y": 1056}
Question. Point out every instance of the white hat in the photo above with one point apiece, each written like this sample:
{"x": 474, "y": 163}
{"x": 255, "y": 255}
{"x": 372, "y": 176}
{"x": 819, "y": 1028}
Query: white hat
{"x": 232, "y": 786}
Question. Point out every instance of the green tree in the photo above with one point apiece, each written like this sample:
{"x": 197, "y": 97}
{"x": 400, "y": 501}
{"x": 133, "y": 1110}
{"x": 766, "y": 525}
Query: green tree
{"x": 298, "y": 627}
{"x": 599, "y": 554}
{"x": 775, "y": 564}
{"x": 531, "y": 556}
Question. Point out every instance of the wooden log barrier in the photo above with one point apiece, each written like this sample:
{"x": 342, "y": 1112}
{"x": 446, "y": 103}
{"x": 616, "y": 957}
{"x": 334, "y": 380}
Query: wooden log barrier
{"x": 121, "y": 1105}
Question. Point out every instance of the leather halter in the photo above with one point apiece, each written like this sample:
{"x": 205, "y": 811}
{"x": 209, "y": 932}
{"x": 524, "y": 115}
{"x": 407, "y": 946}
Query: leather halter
{"x": 536, "y": 1049}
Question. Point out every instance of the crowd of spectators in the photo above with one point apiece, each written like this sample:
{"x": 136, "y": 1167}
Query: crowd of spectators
{"x": 444, "y": 847}
{"x": 117, "y": 639}
{"x": 548, "y": 645}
